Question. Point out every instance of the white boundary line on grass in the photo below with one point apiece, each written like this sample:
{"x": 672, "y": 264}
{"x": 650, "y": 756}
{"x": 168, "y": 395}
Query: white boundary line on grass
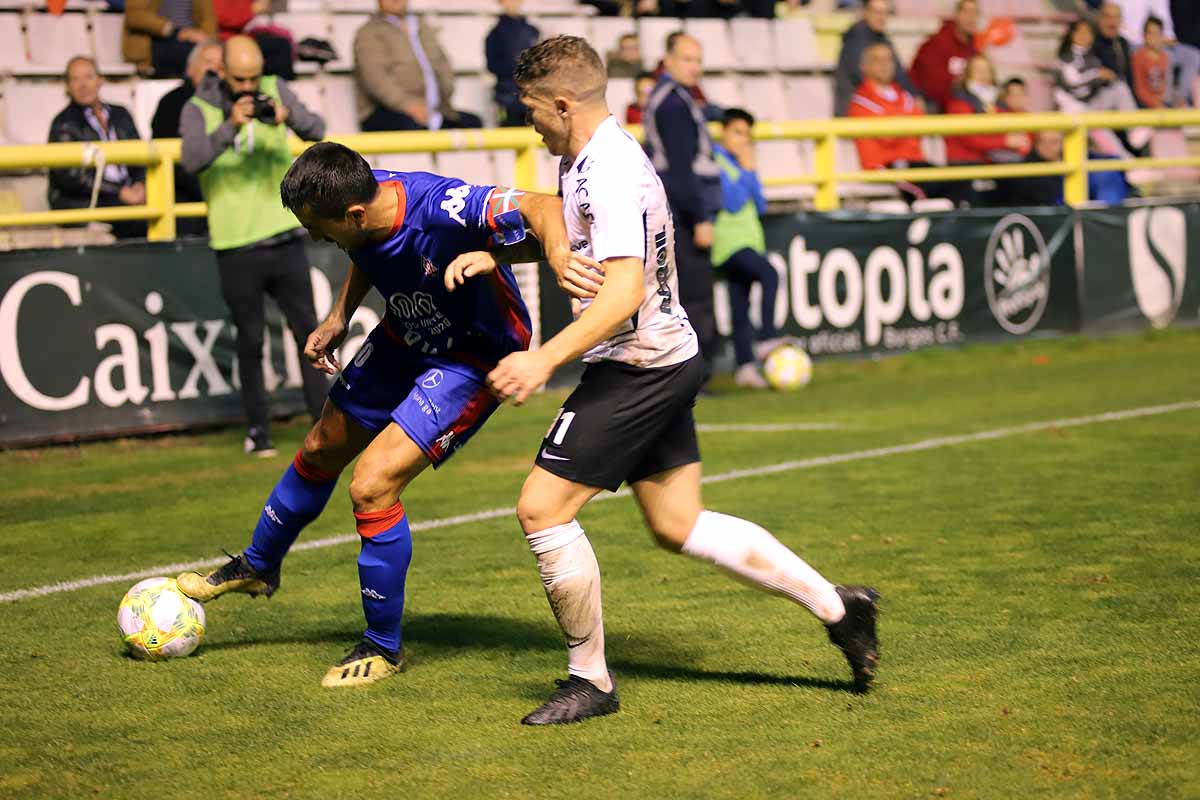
{"x": 738, "y": 474}
{"x": 768, "y": 427}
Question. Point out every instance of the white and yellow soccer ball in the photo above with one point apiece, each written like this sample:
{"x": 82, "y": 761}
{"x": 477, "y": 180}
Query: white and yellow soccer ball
{"x": 158, "y": 621}
{"x": 787, "y": 368}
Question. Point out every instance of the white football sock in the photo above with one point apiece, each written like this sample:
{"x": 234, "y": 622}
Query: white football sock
{"x": 756, "y": 557}
{"x": 571, "y": 578}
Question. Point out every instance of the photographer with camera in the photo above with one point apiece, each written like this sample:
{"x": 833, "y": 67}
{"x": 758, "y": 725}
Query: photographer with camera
{"x": 235, "y": 136}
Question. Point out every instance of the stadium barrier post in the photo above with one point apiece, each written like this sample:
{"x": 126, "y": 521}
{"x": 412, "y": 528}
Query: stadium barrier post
{"x": 826, "y": 198}
{"x": 1075, "y": 185}
{"x": 160, "y": 196}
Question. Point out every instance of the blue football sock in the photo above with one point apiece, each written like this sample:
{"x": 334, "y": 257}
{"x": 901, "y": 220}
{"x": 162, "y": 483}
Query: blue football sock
{"x": 296, "y": 500}
{"x": 382, "y": 567}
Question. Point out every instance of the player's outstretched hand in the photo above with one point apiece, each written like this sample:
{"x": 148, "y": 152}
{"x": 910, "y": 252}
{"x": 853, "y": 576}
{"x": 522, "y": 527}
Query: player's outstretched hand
{"x": 322, "y": 344}
{"x": 582, "y": 277}
{"x": 519, "y": 375}
{"x": 468, "y": 265}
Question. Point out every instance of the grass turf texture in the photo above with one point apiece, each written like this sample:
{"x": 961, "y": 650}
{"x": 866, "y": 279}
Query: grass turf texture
{"x": 1040, "y": 600}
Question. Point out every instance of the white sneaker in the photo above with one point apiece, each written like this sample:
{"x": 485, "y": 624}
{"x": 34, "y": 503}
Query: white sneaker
{"x": 763, "y": 349}
{"x": 748, "y": 377}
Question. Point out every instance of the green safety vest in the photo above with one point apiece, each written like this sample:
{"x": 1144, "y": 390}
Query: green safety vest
{"x": 241, "y": 186}
{"x": 735, "y": 230}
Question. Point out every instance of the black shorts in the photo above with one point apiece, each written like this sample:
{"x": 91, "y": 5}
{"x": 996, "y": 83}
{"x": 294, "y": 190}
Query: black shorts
{"x": 625, "y": 423}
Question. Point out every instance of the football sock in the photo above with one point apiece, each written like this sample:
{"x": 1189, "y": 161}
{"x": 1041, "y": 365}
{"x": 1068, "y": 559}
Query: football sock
{"x": 382, "y": 567}
{"x": 296, "y": 500}
{"x": 571, "y": 578}
{"x": 756, "y": 557}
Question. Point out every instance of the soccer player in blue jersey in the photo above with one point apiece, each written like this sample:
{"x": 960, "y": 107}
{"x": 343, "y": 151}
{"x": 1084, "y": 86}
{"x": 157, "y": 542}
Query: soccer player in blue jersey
{"x": 416, "y": 391}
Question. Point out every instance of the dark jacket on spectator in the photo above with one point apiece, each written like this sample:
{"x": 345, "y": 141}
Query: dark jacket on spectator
{"x": 1117, "y": 55}
{"x": 1042, "y": 190}
{"x": 940, "y": 61}
{"x": 144, "y": 21}
{"x": 72, "y": 187}
{"x": 975, "y": 148}
{"x": 1186, "y": 17}
{"x": 849, "y": 76}
{"x": 165, "y": 125}
{"x": 680, "y": 148}
{"x": 504, "y": 43}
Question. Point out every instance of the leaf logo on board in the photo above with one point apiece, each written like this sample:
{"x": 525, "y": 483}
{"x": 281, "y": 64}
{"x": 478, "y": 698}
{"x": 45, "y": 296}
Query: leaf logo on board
{"x": 1158, "y": 261}
{"x": 1017, "y": 274}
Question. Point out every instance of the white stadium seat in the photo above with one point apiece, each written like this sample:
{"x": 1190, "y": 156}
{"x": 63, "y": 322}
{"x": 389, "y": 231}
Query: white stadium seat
{"x": 724, "y": 91}
{"x": 550, "y": 27}
{"x": 311, "y": 95}
{"x": 796, "y": 45}
{"x": 504, "y": 165}
{"x": 54, "y": 40}
{"x": 474, "y": 93}
{"x": 547, "y": 171}
{"x": 146, "y": 95}
{"x": 344, "y": 27}
{"x": 462, "y": 38}
{"x": 607, "y": 31}
{"x": 619, "y": 95}
{"x": 752, "y": 43}
{"x": 12, "y": 42}
{"x": 405, "y": 162}
{"x": 763, "y": 97}
{"x": 30, "y": 107}
{"x": 473, "y": 166}
{"x": 106, "y": 43}
{"x": 341, "y": 108}
{"x": 304, "y": 25}
{"x": 713, "y": 36}
{"x": 810, "y": 97}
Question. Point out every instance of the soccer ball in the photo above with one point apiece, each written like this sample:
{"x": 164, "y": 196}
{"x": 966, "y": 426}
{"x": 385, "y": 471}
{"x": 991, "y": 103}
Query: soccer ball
{"x": 158, "y": 621}
{"x": 787, "y": 367}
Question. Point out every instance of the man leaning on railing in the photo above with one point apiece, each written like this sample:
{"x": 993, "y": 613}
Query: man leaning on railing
{"x": 234, "y": 133}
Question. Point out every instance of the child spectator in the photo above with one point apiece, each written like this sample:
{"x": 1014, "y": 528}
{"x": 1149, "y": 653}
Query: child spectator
{"x": 1014, "y": 98}
{"x": 505, "y": 42}
{"x": 1152, "y": 68}
{"x": 976, "y": 93}
{"x": 642, "y": 86}
{"x": 739, "y": 244}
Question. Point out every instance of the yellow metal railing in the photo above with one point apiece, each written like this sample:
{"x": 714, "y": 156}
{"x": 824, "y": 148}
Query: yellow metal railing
{"x": 160, "y": 156}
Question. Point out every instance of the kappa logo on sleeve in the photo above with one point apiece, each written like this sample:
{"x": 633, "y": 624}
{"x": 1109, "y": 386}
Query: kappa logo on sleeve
{"x": 455, "y": 202}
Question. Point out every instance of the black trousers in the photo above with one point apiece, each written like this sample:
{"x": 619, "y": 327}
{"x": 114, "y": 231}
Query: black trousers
{"x": 385, "y": 119}
{"x": 248, "y": 275}
{"x": 696, "y": 287}
{"x": 169, "y": 57}
{"x": 742, "y": 270}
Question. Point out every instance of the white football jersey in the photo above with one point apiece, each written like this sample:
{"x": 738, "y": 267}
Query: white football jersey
{"x": 614, "y": 206}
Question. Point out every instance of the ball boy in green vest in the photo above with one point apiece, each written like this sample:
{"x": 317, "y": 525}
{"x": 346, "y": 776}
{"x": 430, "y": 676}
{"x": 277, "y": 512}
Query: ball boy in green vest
{"x": 739, "y": 246}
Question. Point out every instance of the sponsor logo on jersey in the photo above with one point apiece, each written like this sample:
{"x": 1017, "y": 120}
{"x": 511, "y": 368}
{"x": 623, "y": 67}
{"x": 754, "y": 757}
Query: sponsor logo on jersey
{"x": 1158, "y": 261}
{"x": 433, "y": 379}
{"x": 429, "y": 267}
{"x": 455, "y": 202}
{"x": 1017, "y": 274}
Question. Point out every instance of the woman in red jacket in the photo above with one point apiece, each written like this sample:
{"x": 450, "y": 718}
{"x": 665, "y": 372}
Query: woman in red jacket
{"x": 976, "y": 93}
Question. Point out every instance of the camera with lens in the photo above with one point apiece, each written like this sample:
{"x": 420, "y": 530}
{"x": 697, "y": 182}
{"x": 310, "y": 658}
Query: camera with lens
{"x": 264, "y": 107}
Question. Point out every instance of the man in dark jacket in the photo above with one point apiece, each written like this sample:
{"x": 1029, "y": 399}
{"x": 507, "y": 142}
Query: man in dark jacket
{"x": 871, "y": 29}
{"x": 87, "y": 119}
{"x": 942, "y": 57}
{"x": 682, "y": 153}
{"x": 204, "y": 58}
{"x": 1111, "y": 47}
{"x": 1186, "y": 17}
{"x": 235, "y": 136}
{"x": 504, "y": 43}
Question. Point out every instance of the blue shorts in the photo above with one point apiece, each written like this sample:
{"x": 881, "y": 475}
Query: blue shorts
{"x": 439, "y": 402}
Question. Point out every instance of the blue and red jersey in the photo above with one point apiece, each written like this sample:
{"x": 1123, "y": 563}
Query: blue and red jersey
{"x": 438, "y": 219}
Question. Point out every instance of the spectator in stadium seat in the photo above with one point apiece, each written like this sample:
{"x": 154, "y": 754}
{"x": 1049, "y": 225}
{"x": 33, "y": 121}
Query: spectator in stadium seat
{"x": 739, "y": 246}
{"x": 241, "y": 156}
{"x": 941, "y": 59}
{"x": 1185, "y": 58}
{"x": 89, "y": 119}
{"x": 1187, "y": 23}
{"x": 642, "y": 86}
{"x": 682, "y": 153}
{"x": 1152, "y": 69}
{"x": 1040, "y": 190}
{"x": 205, "y": 57}
{"x": 159, "y": 34}
{"x": 1085, "y": 84}
{"x": 504, "y": 43}
{"x": 869, "y": 31}
{"x": 1014, "y": 98}
{"x": 1113, "y": 49}
{"x": 234, "y": 17}
{"x": 880, "y": 95}
{"x": 975, "y": 92}
{"x": 626, "y": 60}
{"x": 403, "y": 77}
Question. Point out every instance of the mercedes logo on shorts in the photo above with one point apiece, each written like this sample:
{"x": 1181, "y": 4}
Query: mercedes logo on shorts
{"x": 432, "y": 380}
{"x": 1017, "y": 274}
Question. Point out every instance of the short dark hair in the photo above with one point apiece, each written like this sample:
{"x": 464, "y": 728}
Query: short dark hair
{"x": 75, "y": 60}
{"x": 735, "y": 114}
{"x": 641, "y": 76}
{"x": 327, "y": 179}
{"x": 672, "y": 38}
{"x": 1011, "y": 82}
{"x": 1152, "y": 20}
{"x": 568, "y": 59}
{"x": 627, "y": 36}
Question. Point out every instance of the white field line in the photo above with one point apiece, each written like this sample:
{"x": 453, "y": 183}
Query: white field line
{"x": 733, "y": 475}
{"x": 769, "y": 427}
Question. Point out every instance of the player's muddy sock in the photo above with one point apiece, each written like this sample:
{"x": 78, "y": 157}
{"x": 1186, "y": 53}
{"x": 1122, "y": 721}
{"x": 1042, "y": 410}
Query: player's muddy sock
{"x": 571, "y": 578}
{"x": 296, "y": 500}
{"x": 756, "y": 557}
{"x": 382, "y": 567}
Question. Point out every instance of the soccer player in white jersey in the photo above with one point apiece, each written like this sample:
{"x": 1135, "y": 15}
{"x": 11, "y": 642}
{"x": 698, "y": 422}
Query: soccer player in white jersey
{"x": 630, "y": 418}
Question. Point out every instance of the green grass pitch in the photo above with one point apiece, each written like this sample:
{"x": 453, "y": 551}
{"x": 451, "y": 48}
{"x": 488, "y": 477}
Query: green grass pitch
{"x": 1039, "y": 630}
